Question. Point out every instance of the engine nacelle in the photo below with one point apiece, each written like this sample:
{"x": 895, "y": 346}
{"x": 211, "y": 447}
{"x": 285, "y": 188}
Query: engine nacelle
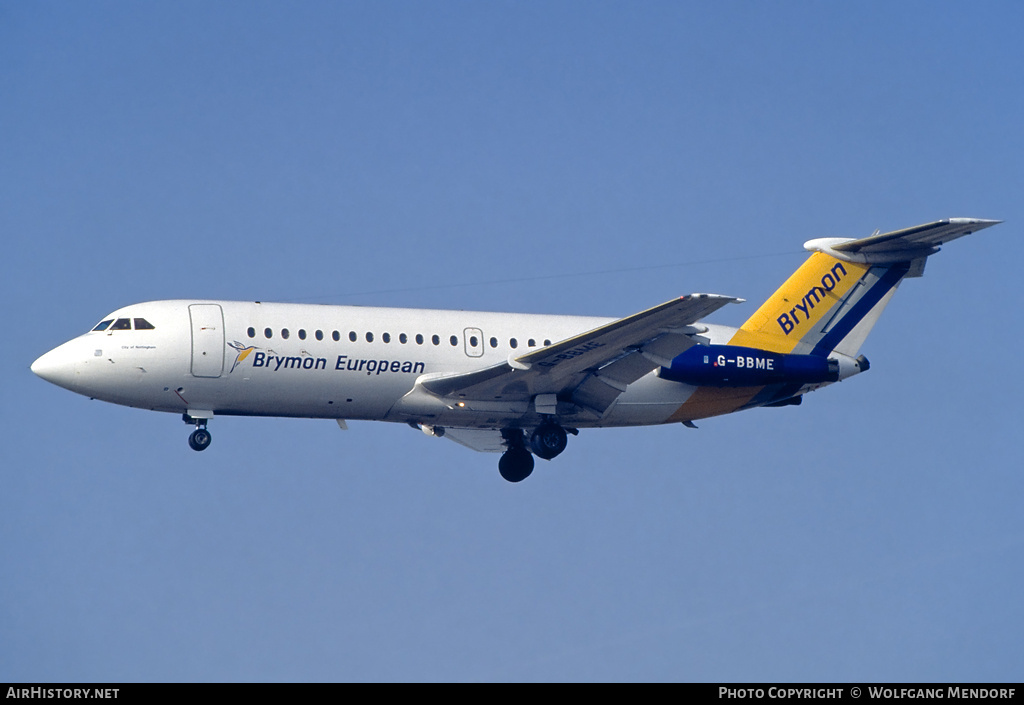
{"x": 734, "y": 366}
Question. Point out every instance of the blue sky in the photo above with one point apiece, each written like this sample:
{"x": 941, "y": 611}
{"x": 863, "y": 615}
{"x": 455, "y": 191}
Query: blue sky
{"x": 571, "y": 157}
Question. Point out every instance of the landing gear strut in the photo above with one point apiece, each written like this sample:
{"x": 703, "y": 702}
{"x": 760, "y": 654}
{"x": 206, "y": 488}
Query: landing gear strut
{"x": 200, "y": 438}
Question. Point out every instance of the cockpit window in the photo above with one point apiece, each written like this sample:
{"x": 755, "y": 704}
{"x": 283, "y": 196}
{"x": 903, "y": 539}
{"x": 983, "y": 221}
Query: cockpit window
{"x": 143, "y": 324}
{"x": 122, "y": 324}
{"x": 103, "y": 325}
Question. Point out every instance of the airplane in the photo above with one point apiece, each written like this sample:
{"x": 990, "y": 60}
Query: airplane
{"x": 515, "y": 384}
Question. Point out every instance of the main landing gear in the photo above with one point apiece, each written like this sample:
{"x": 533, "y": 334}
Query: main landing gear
{"x": 516, "y": 464}
{"x": 200, "y": 438}
{"x": 547, "y": 441}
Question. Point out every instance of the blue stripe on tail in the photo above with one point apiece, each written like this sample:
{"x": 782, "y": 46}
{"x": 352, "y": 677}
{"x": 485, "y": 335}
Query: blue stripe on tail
{"x": 860, "y": 309}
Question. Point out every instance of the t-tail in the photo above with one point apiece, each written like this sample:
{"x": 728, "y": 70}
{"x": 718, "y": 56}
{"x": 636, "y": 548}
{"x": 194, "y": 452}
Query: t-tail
{"x": 809, "y": 332}
{"x": 830, "y": 304}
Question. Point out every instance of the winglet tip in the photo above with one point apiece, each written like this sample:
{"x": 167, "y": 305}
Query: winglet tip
{"x": 729, "y": 299}
{"x": 974, "y": 224}
{"x": 983, "y": 222}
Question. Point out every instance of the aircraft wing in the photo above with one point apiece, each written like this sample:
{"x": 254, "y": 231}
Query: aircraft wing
{"x": 590, "y": 369}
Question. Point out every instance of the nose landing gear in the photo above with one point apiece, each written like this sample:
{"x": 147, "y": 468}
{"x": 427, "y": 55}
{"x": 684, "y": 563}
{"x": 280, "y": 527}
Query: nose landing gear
{"x": 200, "y": 438}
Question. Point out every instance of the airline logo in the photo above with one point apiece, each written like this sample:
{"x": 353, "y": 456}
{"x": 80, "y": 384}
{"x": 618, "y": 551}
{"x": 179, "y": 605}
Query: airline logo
{"x": 243, "y": 352}
{"x": 788, "y": 321}
{"x": 269, "y": 360}
{"x": 289, "y": 363}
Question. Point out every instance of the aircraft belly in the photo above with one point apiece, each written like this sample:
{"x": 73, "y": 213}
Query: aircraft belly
{"x": 297, "y": 394}
{"x": 714, "y": 401}
{"x": 638, "y": 414}
{"x": 649, "y": 400}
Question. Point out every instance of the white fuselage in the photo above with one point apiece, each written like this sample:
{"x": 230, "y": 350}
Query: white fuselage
{"x": 207, "y": 358}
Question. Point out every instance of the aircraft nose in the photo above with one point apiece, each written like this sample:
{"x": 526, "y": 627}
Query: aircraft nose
{"x": 57, "y": 367}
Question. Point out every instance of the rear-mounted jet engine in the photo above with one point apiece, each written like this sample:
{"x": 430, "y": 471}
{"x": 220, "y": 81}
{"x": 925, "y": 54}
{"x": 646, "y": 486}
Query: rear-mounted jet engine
{"x": 733, "y": 366}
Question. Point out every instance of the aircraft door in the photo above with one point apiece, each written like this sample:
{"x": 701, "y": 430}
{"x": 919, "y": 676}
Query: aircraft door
{"x": 474, "y": 340}
{"x": 207, "y": 340}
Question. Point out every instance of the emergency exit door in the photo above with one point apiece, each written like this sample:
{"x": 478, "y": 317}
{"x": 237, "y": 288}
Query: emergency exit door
{"x": 207, "y": 340}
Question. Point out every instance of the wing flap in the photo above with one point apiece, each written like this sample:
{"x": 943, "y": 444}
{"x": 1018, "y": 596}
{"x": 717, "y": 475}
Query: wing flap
{"x": 482, "y": 440}
{"x": 625, "y": 370}
{"x": 596, "y": 395}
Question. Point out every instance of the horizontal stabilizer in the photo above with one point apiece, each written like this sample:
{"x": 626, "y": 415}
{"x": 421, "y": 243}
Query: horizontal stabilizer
{"x": 899, "y": 245}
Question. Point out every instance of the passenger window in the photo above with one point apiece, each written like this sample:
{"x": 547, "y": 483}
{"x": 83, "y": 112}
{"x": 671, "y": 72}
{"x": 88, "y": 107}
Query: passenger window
{"x": 513, "y": 343}
{"x": 453, "y": 340}
{"x": 251, "y": 332}
{"x": 319, "y": 335}
{"x": 122, "y": 324}
{"x": 143, "y": 324}
{"x": 386, "y": 337}
{"x": 532, "y": 343}
{"x": 472, "y": 341}
{"x": 494, "y": 342}
{"x": 369, "y": 337}
{"x": 403, "y": 338}
{"x": 302, "y": 334}
{"x": 284, "y": 333}
{"x": 435, "y": 340}
{"x": 547, "y": 342}
{"x": 103, "y": 325}
{"x": 352, "y": 336}
{"x": 336, "y": 335}
{"x": 419, "y": 339}
{"x": 268, "y": 333}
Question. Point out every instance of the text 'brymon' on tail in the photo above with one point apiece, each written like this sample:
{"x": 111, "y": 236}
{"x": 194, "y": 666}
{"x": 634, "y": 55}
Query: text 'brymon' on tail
{"x": 834, "y": 299}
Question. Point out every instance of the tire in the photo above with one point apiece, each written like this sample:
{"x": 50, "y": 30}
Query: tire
{"x": 200, "y": 439}
{"x": 548, "y": 441}
{"x": 516, "y": 465}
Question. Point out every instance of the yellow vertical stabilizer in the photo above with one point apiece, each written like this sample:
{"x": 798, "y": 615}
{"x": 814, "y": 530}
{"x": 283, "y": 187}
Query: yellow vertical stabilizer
{"x": 798, "y": 310}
